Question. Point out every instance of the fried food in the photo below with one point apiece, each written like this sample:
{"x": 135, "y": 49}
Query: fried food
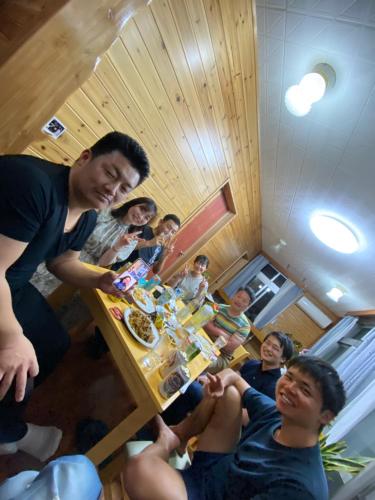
{"x": 140, "y": 295}
{"x": 141, "y": 324}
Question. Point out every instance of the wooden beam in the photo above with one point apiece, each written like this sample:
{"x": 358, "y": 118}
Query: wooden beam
{"x": 44, "y": 63}
{"x": 368, "y": 312}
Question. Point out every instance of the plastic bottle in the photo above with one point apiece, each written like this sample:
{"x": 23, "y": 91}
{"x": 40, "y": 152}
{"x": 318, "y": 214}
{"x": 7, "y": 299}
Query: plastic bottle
{"x": 201, "y": 317}
{"x": 184, "y": 313}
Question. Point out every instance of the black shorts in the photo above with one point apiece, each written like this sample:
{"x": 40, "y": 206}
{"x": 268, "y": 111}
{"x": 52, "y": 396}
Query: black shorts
{"x": 206, "y": 478}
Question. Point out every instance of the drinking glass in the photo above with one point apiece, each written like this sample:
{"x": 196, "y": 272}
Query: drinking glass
{"x": 150, "y": 361}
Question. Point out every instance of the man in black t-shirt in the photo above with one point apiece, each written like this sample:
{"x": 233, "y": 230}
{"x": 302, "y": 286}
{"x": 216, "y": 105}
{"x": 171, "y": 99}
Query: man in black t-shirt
{"x": 47, "y": 211}
{"x": 156, "y": 244}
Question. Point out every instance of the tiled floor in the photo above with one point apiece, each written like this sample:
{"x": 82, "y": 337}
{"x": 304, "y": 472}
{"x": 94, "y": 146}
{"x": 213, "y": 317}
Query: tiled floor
{"x": 80, "y": 387}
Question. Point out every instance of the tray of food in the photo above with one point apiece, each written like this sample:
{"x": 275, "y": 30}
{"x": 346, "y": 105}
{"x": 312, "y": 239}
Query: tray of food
{"x": 141, "y": 327}
{"x": 144, "y": 300}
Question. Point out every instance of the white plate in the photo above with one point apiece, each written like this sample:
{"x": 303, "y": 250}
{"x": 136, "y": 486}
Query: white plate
{"x": 155, "y": 332}
{"x": 149, "y": 306}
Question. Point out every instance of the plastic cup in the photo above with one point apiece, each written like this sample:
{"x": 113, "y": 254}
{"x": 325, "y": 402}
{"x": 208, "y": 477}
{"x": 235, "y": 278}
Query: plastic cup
{"x": 150, "y": 361}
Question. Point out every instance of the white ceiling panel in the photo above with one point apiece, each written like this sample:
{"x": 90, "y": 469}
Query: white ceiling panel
{"x": 326, "y": 160}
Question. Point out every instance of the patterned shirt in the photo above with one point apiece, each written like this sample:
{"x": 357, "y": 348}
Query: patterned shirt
{"x": 232, "y": 324}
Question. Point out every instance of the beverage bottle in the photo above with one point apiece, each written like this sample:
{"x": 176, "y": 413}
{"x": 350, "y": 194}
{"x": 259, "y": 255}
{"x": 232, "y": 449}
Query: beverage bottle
{"x": 201, "y": 317}
{"x": 153, "y": 282}
{"x": 184, "y": 313}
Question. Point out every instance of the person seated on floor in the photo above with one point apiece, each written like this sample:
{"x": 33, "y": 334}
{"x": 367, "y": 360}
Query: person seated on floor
{"x": 278, "y": 456}
{"x": 231, "y": 323}
{"x": 191, "y": 281}
{"x": 156, "y": 244}
{"x": 276, "y": 350}
{"x": 47, "y": 212}
{"x": 115, "y": 236}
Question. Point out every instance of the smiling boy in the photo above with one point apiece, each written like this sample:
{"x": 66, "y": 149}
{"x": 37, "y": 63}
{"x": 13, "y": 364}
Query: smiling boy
{"x": 278, "y": 456}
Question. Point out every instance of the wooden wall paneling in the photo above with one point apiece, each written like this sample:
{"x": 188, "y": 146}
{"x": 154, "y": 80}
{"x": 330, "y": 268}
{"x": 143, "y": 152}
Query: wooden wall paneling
{"x": 88, "y": 112}
{"x": 237, "y": 40}
{"x": 177, "y": 55}
{"x": 180, "y": 80}
{"x": 293, "y": 320}
{"x": 158, "y": 53}
{"x": 227, "y": 274}
{"x": 168, "y": 119}
{"x": 196, "y": 67}
{"x": 51, "y": 150}
{"x": 211, "y": 83}
{"x": 177, "y": 173}
{"x": 226, "y": 76}
{"x": 75, "y": 125}
{"x": 112, "y": 101}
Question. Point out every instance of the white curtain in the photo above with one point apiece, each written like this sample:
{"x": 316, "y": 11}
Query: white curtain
{"x": 288, "y": 294}
{"x": 359, "y": 365}
{"x": 352, "y": 414}
{"x": 245, "y": 275}
{"x": 330, "y": 338}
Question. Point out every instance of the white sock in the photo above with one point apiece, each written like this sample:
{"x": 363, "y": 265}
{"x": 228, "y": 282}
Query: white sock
{"x": 8, "y": 448}
{"x": 40, "y": 442}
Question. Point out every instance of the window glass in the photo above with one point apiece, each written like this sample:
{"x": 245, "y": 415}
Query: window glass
{"x": 280, "y": 280}
{"x": 269, "y": 271}
{"x": 257, "y": 306}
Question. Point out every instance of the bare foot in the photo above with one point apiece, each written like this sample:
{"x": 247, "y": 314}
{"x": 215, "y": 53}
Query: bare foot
{"x": 179, "y": 432}
{"x": 166, "y": 437}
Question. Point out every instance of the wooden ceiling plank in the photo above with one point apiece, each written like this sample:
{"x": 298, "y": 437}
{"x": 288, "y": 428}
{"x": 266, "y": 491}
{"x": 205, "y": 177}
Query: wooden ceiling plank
{"x": 192, "y": 52}
{"x": 174, "y": 48}
{"x": 165, "y": 142}
{"x": 113, "y": 98}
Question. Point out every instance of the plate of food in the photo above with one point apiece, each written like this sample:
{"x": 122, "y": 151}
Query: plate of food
{"x": 144, "y": 300}
{"x": 141, "y": 327}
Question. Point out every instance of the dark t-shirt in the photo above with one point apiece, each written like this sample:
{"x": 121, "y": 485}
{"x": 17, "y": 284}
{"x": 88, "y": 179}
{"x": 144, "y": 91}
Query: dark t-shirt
{"x": 150, "y": 255}
{"x": 261, "y": 468}
{"x": 263, "y": 381}
{"x": 33, "y": 209}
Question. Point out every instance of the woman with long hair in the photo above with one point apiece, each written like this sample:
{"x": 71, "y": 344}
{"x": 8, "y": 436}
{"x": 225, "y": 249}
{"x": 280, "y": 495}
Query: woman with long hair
{"x": 116, "y": 233}
{"x": 114, "y": 238}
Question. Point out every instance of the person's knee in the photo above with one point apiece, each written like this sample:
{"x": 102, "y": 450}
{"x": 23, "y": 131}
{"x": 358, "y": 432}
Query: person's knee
{"x": 136, "y": 472}
{"x": 232, "y": 395}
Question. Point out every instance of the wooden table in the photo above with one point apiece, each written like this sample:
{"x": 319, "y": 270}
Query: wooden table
{"x": 127, "y": 352}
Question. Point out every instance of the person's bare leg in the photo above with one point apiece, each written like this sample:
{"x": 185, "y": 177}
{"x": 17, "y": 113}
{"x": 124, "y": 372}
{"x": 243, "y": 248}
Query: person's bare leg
{"x": 223, "y": 431}
{"x": 195, "y": 423}
{"x": 148, "y": 476}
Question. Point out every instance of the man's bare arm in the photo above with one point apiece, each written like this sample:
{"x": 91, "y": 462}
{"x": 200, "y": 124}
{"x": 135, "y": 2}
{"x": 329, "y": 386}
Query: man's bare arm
{"x": 17, "y": 355}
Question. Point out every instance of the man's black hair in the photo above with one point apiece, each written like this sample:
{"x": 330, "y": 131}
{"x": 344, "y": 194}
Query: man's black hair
{"x": 128, "y": 147}
{"x": 249, "y": 293}
{"x": 285, "y": 342}
{"x": 331, "y": 386}
{"x": 173, "y": 217}
{"x": 202, "y": 259}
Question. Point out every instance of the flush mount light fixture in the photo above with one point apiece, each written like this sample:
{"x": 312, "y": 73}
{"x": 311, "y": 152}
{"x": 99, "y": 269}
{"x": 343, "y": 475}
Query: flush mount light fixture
{"x": 299, "y": 98}
{"x": 334, "y": 233}
{"x": 335, "y": 293}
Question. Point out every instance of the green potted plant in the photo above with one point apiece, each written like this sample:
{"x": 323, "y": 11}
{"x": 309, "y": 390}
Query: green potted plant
{"x": 333, "y": 461}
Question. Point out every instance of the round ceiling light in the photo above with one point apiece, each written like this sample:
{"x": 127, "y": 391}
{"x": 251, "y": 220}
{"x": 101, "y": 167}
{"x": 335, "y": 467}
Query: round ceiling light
{"x": 334, "y": 233}
{"x": 299, "y": 98}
